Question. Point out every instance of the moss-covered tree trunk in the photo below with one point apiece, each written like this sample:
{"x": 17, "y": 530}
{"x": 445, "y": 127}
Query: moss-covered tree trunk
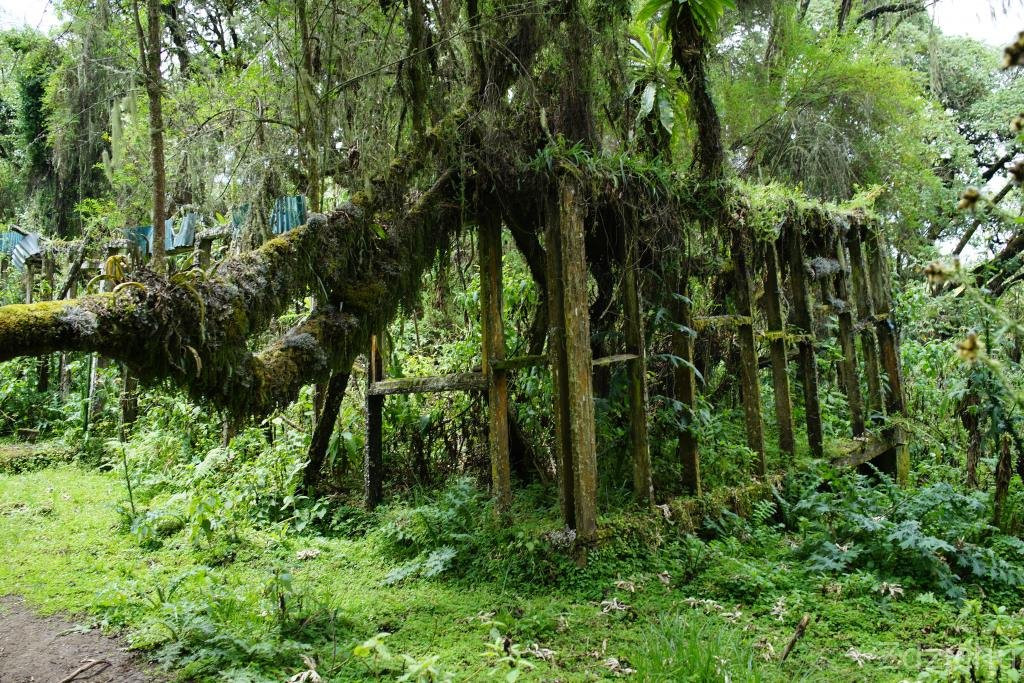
{"x": 197, "y": 331}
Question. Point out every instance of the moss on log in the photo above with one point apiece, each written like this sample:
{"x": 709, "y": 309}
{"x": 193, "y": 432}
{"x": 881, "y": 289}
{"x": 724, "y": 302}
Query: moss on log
{"x": 196, "y": 329}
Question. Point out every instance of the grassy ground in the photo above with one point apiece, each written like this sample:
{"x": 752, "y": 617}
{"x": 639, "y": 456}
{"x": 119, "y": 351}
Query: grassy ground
{"x": 251, "y": 609}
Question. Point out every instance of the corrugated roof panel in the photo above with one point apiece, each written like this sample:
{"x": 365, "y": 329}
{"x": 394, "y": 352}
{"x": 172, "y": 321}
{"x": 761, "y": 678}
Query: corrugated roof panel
{"x": 25, "y": 250}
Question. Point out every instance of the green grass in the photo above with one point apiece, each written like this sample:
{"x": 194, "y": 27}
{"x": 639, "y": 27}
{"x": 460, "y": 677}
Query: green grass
{"x": 216, "y": 607}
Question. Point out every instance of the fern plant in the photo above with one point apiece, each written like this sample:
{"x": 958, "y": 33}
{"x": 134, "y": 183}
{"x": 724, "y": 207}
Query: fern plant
{"x": 934, "y": 536}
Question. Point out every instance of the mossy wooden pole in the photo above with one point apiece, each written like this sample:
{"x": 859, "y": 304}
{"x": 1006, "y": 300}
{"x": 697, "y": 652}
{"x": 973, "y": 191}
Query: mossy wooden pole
{"x": 824, "y": 327}
{"x": 865, "y": 322}
{"x": 43, "y": 362}
{"x": 129, "y": 402}
{"x": 28, "y": 281}
{"x": 493, "y": 336}
{"x": 96, "y": 398}
{"x": 203, "y": 253}
{"x": 848, "y": 365}
{"x": 573, "y": 358}
{"x": 64, "y": 374}
{"x": 743, "y": 279}
{"x": 373, "y": 456}
{"x": 556, "y": 361}
{"x": 777, "y": 349}
{"x": 643, "y": 485}
{"x": 888, "y": 346}
{"x": 685, "y": 378}
{"x": 805, "y": 345}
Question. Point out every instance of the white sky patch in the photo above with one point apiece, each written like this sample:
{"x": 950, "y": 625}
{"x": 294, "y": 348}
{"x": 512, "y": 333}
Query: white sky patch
{"x": 995, "y": 22}
{"x": 37, "y": 14}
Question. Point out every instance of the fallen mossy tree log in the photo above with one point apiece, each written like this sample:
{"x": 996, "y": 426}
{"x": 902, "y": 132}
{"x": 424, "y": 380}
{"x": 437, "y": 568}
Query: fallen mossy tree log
{"x": 195, "y": 328}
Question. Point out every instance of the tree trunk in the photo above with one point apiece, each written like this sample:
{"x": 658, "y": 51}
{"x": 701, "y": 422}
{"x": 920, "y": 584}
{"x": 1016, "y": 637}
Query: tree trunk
{"x": 1004, "y": 471}
{"x": 317, "y": 453}
{"x": 309, "y": 110}
{"x": 689, "y": 53}
{"x": 149, "y": 55}
{"x": 971, "y": 420}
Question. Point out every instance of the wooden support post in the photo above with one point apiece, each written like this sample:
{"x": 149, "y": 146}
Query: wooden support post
{"x": 99, "y": 362}
{"x": 685, "y": 378}
{"x": 43, "y": 362}
{"x": 204, "y": 250}
{"x": 557, "y": 363}
{"x": 569, "y": 342}
{"x": 823, "y": 322}
{"x": 848, "y": 365}
{"x": 889, "y": 347}
{"x": 29, "y": 281}
{"x": 373, "y": 455}
{"x": 805, "y": 346}
{"x": 777, "y": 349}
{"x": 64, "y": 374}
{"x": 639, "y": 445}
{"x": 493, "y": 337}
{"x": 743, "y": 279}
{"x": 865, "y": 315}
{"x": 129, "y": 402}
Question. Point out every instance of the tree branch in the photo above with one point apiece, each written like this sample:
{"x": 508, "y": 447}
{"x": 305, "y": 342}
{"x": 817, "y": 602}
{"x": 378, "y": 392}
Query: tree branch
{"x": 889, "y": 9}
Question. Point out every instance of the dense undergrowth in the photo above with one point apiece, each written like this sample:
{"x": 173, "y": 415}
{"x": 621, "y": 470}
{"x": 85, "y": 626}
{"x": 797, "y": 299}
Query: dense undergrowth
{"x": 220, "y": 573}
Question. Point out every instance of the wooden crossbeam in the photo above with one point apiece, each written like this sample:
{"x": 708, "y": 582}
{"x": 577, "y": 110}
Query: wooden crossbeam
{"x": 617, "y": 358}
{"x": 520, "y": 362}
{"x": 463, "y": 381}
{"x": 704, "y": 321}
{"x": 866, "y": 449}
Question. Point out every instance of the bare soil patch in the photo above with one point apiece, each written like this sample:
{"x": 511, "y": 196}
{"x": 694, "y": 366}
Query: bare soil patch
{"x": 35, "y": 649}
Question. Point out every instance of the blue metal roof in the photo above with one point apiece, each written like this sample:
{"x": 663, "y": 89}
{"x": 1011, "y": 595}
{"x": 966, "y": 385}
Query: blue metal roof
{"x": 25, "y": 249}
{"x": 289, "y": 213}
{"x": 8, "y": 240}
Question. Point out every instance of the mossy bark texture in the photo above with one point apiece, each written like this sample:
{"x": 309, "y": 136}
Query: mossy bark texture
{"x": 197, "y": 328}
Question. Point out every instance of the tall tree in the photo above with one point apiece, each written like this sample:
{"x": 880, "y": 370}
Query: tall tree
{"x": 149, "y": 58}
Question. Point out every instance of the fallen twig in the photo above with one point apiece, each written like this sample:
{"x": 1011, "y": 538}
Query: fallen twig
{"x": 797, "y": 635}
{"x": 86, "y": 665}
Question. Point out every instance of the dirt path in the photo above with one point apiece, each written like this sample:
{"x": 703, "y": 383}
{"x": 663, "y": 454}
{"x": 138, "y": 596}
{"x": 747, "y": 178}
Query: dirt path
{"x": 36, "y": 649}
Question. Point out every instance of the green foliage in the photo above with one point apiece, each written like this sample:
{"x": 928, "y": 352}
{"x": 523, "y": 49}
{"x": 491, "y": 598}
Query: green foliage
{"x": 681, "y": 647}
{"x": 654, "y": 78}
{"x": 992, "y": 650}
{"x": 434, "y": 533}
{"x": 934, "y": 536}
{"x": 706, "y": 13}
